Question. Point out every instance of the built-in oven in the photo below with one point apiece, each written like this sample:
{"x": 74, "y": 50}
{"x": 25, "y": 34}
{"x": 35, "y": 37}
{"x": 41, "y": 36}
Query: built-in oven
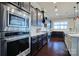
{"x": 16, "y": 44}
{"x": 15, "y": 28}
{"x": 18, "y": 47}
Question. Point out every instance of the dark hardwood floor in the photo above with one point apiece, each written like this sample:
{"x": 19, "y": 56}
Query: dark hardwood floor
{"x": 55, "y": 47}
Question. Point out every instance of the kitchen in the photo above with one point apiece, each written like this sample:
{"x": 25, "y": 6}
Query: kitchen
{"x": 27, "y": 27}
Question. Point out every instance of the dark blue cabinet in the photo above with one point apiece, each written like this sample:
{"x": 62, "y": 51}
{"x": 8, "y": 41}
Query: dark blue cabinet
{"x": 37, "y": 43}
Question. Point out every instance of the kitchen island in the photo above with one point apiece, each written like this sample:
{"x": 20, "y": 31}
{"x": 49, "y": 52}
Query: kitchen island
{"x": 72, "y": 43}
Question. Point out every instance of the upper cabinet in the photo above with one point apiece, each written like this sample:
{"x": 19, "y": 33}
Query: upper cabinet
{"x": 23, "y": 5}
{"x": 40, "y": 18}
{"x": 36, "y": 17}
{"x": 33, "y": 16}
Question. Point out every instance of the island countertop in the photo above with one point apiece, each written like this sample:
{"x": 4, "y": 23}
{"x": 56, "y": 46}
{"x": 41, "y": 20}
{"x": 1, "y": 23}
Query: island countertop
{"x": 74, "y": 34}
{"x": 36, "y": 34}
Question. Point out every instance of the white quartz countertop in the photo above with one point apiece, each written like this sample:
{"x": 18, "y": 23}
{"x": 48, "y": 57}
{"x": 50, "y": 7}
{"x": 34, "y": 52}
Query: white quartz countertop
{"x": 36, "y": 34}
{"x": 74, "y": 35}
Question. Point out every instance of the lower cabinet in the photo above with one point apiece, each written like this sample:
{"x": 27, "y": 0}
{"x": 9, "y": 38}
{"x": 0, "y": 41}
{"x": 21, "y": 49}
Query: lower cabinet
{"x": 44, "y": 38}
{"x": 74, "y": 47}
{"x": 68, "y": 42}
{"x": 34, "y": 45}
{"x": 37, "y": 42}
{"x": 40, "y": 43}
{"x": 59, "y": 34}
{"x": 72, "y": 44}
{"x": 78, "y": 47}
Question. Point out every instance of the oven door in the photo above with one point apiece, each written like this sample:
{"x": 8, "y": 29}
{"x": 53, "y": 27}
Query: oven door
{"x": 16, "y": 21}
{"x": 19, "y": 47}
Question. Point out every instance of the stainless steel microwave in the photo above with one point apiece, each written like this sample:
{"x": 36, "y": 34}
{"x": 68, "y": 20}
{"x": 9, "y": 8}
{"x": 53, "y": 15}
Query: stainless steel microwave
{"x": 14, "y": 19}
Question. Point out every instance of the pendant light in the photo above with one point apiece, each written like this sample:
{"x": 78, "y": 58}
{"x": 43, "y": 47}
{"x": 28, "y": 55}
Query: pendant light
{"x": 74, "y": 13}
{"x": 45, "y": 24}
{"x": 56, "y": 9}
{"x": 77, "y": 17}
{"x": 74, "y": 19}
{"x": 43, "y": 21}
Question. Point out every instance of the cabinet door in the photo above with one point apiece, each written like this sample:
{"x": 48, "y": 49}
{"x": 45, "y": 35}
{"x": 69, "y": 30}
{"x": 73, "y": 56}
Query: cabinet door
{"x": 74, "y": 47}
{"x": 34, "y": 45}
{"x": 66, "y": 40}
{"x": 69, "y": 44}
{"x": 25, "y": 6}
{"x": 39, "y": 42}
{"x": 78, "y": 47}
{"x": 40, "y": 18}
{"x": 33, "y": 17}
{"x": 44, "y": 39}
{"x": 0, "y": 47}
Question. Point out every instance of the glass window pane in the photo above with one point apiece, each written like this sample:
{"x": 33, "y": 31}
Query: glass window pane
{"x": 60, "y": 25}
{"x": 65, "y": 27}
{"x": 55, "y": 27}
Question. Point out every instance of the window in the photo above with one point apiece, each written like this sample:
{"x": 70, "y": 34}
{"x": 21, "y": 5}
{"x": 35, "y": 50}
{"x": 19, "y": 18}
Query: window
{"x": 60, "y": 25}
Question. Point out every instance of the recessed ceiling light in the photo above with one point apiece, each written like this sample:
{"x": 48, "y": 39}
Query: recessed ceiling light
{"x": 56, "y": 9}
{"x": 57, "y": 14}
{"x": 8, "y": 8}
{"x": 76, "y": 10}
{"x": 12, "y": 10}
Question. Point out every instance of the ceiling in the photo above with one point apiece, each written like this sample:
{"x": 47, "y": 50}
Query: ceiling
{"x": 65, "y": 9}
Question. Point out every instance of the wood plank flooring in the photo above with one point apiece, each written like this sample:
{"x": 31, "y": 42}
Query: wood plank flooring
{"x": 55, "y": 47}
